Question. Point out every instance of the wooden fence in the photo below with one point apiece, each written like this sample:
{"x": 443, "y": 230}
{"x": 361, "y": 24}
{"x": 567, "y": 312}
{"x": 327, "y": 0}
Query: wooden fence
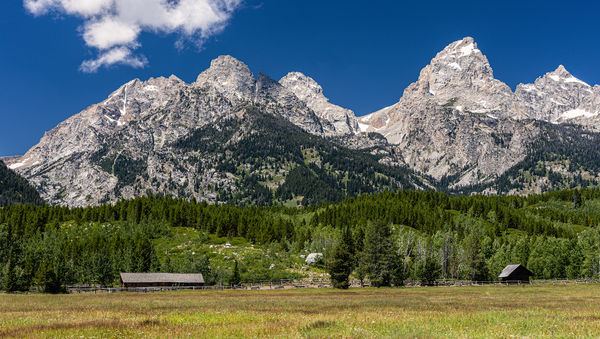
{"x": 316, "y": 283}
{"x": 250, "y": 285}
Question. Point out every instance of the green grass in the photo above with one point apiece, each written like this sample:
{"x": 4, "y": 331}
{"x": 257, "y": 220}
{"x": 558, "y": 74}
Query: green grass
{"x": 571, "y": 311}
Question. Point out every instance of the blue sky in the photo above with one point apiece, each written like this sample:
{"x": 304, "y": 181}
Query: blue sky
{"x": 364, "y": 54}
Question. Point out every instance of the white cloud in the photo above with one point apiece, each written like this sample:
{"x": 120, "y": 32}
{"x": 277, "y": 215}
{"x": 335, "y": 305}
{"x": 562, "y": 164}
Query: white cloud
{"x": 117, "y": 55}
{"x": 113, "y": 26}
{"x": 84, "y": 8}
{"x": 109, "y": 32}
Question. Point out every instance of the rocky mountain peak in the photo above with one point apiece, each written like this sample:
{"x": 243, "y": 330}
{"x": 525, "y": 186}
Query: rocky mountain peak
{"x": 459, "y": 77}
{"x": 562, "y": 75}
{"x": 554, "y": 97}
{"x": 227, "y": 63}
{"x": 303, "y": 86}
{"x": 462, "y": 56}
{"x": 460, "y": 74}
{"x": 175, "y": 78}
{"x": 341, "y": 120}
{"x": 229, "y": 76}
{"x": 456, "y": 123}
{"x": 561, "y": 70}
{"x": 454, "y": 103}
{"x": 461, "y": 48}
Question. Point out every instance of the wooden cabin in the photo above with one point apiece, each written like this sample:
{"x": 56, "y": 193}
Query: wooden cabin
{"x": 516, "y": 273}
{"x": 129, "y": 280}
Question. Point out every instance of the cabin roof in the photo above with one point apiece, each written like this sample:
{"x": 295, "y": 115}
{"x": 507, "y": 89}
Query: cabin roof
{"x": 173, "y": 278}
{"x": 510, "y": 269}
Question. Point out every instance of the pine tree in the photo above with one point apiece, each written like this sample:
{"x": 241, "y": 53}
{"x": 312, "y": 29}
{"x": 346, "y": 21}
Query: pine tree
{"x": 427, "y": 270}
{"x": 10, "y": 280}
{"x": 577, "y": 200}
{"x": 379, "y": 257}
{"x": 341, "y": 263}
{"x": 144, "y": 255}
{"x": 48, "y": 279}
{"x": 235, "y": 278}
{"x": 202, "y": 265}
{"x": 475, "y": 260}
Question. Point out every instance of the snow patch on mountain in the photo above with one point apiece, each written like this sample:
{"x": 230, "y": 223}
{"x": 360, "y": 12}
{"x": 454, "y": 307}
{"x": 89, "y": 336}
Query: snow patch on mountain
{"x": 576, "y": 113}
{"x": 468, "y": 50}
{"x": 577, "y": 81}
{"x": 16, "y": 165}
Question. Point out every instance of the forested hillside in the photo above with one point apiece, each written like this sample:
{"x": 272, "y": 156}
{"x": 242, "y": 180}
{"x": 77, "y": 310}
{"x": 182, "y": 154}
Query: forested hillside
{"x": 385, "y": 238}
{"x": 562, "y": 157}
{"x": 14, "y": 189}
{"x": 275, "y": 162}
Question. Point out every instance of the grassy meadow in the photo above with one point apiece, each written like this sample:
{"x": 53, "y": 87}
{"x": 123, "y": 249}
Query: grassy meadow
{"x": 559, "y": 311}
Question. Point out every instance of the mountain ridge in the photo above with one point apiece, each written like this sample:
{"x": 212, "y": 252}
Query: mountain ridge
{"x": 455, "y": 127}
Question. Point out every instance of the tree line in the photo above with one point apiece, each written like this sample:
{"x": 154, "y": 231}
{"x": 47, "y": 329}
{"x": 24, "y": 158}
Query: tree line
{"x": 384, "y": 238}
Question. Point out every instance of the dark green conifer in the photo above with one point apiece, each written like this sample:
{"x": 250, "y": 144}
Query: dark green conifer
{"x": 235, "y": 278}
{"x": 341, "y": 263}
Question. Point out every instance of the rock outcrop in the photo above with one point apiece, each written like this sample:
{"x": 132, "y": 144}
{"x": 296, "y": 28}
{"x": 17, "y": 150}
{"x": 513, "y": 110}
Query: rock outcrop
{"x": 559, "y": 97}
{"x": 340, "y": 121}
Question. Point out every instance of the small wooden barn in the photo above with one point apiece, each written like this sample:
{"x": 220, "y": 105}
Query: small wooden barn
{"x": 161, "y": 280}
{"x": 515, "y": 273}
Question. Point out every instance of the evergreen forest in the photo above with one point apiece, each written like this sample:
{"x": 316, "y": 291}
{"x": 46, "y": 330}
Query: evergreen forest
{"x": 385, "y": 239}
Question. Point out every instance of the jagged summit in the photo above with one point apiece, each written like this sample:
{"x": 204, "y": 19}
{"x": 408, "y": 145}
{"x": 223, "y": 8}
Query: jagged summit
{"x": 561, "y": 74}
{"x": 229, "y": 76}
{"x": 304, "y": 86}
{"x": 461, "y": 48}
{"x": 228, "y": 62}
{"x": 561, "y": 70}
{"x": 458, "y": 77}
{"x": 173, "y": 77}
{"x": 556, "y": 96}
{"x": 234, "y": 80}
{"x": 461, "y": 71}
{"x": 140, "y": 121}
{"x": 343, "y": 121}
{"x": 462, "y": 56}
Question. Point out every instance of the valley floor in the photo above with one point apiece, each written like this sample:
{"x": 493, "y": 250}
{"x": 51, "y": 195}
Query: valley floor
{"x": 449, "y": 312}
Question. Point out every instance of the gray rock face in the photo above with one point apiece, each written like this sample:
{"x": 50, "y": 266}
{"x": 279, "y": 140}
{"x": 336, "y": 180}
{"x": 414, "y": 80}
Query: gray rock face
{"x": 228, "y": 77}
{"x": 340, "y": 121}
{"x": 270, "y": 93}
{"x": 557, "y": 97}
{"x": 462, "y": 74}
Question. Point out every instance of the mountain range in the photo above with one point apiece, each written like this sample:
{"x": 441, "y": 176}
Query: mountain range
{"x": 233, "y": 137}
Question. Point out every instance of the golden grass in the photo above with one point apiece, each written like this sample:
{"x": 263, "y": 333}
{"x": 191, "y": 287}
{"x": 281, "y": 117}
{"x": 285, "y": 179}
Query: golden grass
{"x": 571, "y": 311}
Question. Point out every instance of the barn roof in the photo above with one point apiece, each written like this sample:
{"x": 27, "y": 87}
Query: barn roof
{"x": 173, "y": 278}
{"x": 510, "y": 269}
